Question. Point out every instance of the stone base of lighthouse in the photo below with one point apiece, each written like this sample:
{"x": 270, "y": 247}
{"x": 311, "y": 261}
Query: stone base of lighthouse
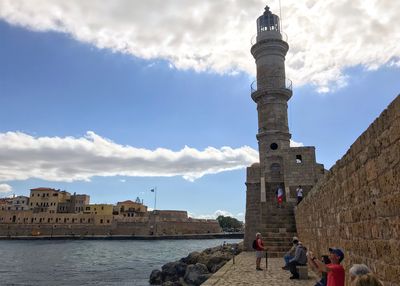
{"x": 297, "y": 166}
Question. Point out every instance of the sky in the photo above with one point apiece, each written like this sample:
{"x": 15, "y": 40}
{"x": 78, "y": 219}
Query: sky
{"x": 115, "y": 98}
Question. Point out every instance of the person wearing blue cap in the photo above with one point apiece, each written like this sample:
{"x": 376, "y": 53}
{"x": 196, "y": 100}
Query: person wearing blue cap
{"x": 334, "y": 270}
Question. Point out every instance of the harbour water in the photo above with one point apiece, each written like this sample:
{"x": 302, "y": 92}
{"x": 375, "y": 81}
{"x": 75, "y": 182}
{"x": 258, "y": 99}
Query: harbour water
{"x": 91, "y": 262}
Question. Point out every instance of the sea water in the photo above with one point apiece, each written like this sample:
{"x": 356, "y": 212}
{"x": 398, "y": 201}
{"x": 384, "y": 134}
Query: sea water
{"x": 91, "y": 262}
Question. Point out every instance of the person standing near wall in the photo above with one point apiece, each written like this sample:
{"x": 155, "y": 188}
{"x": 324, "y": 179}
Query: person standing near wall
{"x": 335, "y": 270}
{"x": 299, "y": 194}
{"x": 260, "y": 250}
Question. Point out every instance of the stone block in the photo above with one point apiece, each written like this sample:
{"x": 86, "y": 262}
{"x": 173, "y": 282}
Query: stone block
{"x": 303, "y": 272}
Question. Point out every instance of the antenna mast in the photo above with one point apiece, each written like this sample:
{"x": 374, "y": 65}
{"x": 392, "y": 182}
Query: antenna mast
{"x": 280, "y": 15}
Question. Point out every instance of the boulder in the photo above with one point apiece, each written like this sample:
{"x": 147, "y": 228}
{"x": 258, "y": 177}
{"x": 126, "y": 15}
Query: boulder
{"x": 195, "y": 268}
{"x": 203, "y": 258}
{"x": 196, "y": 274}
{"x": 191, "y": 258}
{"x": 155, "y": 277}
{"x": 214, "y": 268}
{"x": 173, "y": 270}
{"x": 172, "y": 283}
{"x": 180, "y": 268}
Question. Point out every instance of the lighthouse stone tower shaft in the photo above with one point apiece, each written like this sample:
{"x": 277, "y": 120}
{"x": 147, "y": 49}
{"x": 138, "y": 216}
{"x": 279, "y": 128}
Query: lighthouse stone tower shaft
{"x": 280, "y": 165}
{"x": 271, "y": 92}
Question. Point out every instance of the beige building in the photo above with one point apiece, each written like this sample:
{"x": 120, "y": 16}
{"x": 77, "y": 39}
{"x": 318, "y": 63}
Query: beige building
{"x": 130, "y": 209}
{"x": 74, "y": 204}
{"x": 99, "y": 209}
{"x": 47, "y": 199}
{"x": 5, "y": 204}
{"x": 19, "y": 203}
{"x": 30, "y": 217}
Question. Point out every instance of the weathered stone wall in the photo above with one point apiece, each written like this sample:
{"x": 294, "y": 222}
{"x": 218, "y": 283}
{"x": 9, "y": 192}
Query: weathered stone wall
{"x": 253, "y": 211}
{"x": 26, "y": 223}
{"x": 356, "y": 206}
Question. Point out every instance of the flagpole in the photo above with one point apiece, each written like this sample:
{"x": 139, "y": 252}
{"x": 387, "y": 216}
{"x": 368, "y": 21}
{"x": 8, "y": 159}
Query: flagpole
{"x": 155, "y": 198}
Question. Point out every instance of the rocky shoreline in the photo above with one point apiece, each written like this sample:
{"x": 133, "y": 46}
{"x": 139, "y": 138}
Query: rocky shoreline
{"x": 195, "y": 268}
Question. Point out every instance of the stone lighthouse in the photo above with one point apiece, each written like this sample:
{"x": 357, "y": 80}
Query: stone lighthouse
{"x": 280, "y": 165}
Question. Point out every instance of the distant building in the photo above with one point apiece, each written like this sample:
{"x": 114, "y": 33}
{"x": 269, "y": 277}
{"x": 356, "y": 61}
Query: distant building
{"x": 130, "y": 209}
{"x": 19, "y": 203}
{"x": 5, "y": 204}
{"x": 75, "y": 204}
{"x": 99, "y": 209}
{"x": 47, "y": 199}
{"x": 51, "y": 212}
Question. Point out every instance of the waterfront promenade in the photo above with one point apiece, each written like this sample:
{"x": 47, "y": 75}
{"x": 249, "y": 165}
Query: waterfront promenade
{"x": 243, "y": 273}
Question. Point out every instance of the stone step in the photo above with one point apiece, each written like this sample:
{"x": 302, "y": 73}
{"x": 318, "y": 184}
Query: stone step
{"x": 278, "y": 215}
{"x": 288, "y": 235}
{"x": 287, "y": 240}
{"x": 283, "y": 208}
{"x": 278, "y": 243}
{"x": 278, "y": 225}
{"x": 289, "y": 217}
{"x": 279, "y": 230}
{"x": 277, "y": 248}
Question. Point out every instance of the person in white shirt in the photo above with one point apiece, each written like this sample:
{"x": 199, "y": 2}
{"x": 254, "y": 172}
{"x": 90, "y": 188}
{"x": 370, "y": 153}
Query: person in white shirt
{"x": 299, "y": 193}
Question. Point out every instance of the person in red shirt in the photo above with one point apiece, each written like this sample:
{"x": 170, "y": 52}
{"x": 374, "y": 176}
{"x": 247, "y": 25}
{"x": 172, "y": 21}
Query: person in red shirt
{"x": 334, "y": 270}
{"x": 259, "y": 250}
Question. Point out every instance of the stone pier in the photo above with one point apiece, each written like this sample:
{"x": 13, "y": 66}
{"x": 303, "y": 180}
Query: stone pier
{"x": 244, "y": 272}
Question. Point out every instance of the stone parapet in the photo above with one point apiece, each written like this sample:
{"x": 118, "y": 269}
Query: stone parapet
{"x": 356, "y": 206}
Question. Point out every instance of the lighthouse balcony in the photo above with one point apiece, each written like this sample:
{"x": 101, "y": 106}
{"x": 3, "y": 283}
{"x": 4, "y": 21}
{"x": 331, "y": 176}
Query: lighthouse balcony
{"x": 269, "y": 36}
{"x": 270, "y": 83}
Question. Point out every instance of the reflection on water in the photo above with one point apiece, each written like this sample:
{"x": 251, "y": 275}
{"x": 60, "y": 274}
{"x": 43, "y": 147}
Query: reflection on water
{"x": 91, "y": 262}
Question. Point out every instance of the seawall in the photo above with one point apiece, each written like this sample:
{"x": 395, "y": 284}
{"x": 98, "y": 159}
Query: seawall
{"x": 127, "y": 237}
{"x": 356, "y": 206}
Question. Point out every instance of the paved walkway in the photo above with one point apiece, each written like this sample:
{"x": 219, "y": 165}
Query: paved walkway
{"x": 243, "y": 272}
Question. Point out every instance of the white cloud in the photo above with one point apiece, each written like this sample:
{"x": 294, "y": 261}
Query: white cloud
{"x": 325, "y": 37}
{"x": 122, "y": 181}
{"x": 68, "y": 159}
{"x": 5, "y": 188}
{"x": 239, "y": 216}
{"x": 295, "y": 144}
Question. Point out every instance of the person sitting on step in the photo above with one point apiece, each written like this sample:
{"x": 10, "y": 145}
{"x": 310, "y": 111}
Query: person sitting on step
{"x": 299, "y": 259}
{"x": 290, "y": 254}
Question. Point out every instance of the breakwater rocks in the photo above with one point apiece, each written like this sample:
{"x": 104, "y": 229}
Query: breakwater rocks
{"x": 195, "y": 268}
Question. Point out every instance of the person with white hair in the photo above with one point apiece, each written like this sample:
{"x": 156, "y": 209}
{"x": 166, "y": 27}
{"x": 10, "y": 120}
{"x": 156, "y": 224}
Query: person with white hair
{"x": 258, "y": 245}
{"x": 358, "y": 270}
{"x": 299, "y": 259}
{"x": 368, "y": 279}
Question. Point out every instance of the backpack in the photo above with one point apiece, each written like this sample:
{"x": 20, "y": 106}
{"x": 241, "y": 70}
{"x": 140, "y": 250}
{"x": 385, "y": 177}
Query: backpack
{"x": 254, "y": 244}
